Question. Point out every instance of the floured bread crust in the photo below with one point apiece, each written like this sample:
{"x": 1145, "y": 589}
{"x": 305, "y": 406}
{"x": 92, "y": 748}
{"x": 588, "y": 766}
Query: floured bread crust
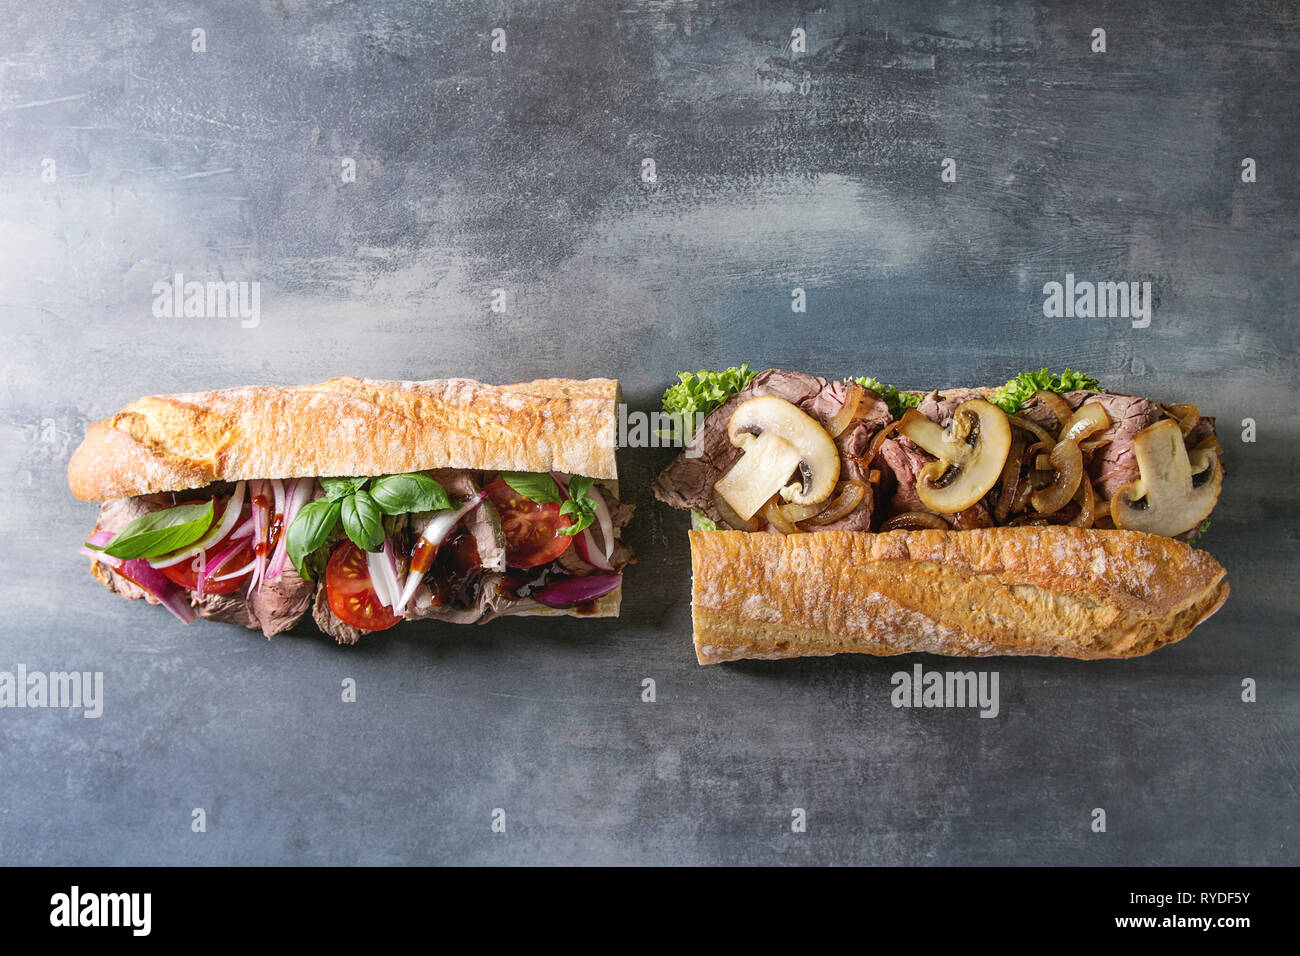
{"x": 348, "y": 426}
{"x": 1052, "y": 591}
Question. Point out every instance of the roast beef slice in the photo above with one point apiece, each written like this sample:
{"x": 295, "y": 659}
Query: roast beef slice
{"x": 688, "y": 482}
{"x": 278, "y": 606}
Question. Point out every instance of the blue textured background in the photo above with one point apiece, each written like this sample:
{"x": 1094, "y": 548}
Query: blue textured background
{"x": 520, "y": 171}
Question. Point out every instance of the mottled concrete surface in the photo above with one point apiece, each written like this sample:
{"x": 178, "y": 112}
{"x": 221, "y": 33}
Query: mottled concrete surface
{"x": 521, "y": 171}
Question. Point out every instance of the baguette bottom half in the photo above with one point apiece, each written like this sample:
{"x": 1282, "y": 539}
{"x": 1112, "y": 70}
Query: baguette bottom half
{"x": 1051, "y": 591}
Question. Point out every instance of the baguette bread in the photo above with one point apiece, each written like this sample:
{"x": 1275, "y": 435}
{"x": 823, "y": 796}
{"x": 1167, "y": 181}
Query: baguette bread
{"x": 348, "y": 426}
{"x": 1053, "y": 591}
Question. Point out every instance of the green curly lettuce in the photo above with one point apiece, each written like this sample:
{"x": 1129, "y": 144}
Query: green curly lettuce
{"x": 703, "y": 522}
{"x": 897, "y": 401}
{"x": 1205, "y": 526}
{"x": 701, "y": 392}
{"x": 1020, "y": 389}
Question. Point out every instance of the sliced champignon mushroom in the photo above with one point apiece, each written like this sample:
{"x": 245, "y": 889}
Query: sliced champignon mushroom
{"x": 763, "y": 470}
{"x": 1175, "y": 492}
{"x": 971, "y": 451}
{"x": 779, "y": 438}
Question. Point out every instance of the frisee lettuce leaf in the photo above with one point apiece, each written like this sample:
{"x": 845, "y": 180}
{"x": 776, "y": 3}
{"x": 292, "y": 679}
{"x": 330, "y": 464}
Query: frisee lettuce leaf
{"x": 700, "y": 393}
{"x": 897, "y": 401}
{"x": 1205, "y": 526}
{"x": 1020, "y": 389}
{"x": 703, "y": 522}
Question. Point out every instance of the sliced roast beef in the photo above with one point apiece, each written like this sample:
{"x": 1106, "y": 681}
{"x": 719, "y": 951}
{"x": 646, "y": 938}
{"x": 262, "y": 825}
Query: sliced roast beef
{"x": 230, "y": 608}
{"x": 278, "y": 606}
{"x": 905, "y": 461}
{"x": 688, "y": 482}
{"x": 483, "y": 522}
{"x": 1203, "y": 429}
{"x": 114, "y": 515}
{"x": 938, "y": 406}
{"x": 1114, "y": 464}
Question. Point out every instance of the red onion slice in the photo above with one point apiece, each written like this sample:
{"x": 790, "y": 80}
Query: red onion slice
{"x": 261, "y": 523}
{"x": 573, "y": 591}
{"x": 214, "y": 564}
{"x": 382, "y": 566}
{"x": 138, "y": 571}
{"x": 590, "y": 552}
{"x": 605, "y": 520}
{"x": 297, "y": 493}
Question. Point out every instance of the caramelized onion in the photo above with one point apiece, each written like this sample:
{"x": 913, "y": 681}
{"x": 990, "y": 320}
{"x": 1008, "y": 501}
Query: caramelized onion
{"x": 1088, "y": 447}
{"x": 1067, "y": 461}
{"x": 1036, "y": 430}
{"x": 1010, "y": 479}
{"x": 1211, "y": 442}
{"x": 1023, "y": 492}
{"x": 730, "y": 517}
{"x": 1058, "y": 406}
{"x": 1186, "y": 413}
{"x": 1086, "y": 422}
{"x": 1026, "y": 519}
{"x": 845, "y": 416}
{"x": 972, "y": 517}
{"x": 874, "y": 448}
{"x": 795, "y": 513}
{"x": 914, "y": 521}
{"x": 852, "y": 494}
{"x": 1087, "y": 506}
{"x": 771, "y": 512}
{"x": 1039, "y": 477}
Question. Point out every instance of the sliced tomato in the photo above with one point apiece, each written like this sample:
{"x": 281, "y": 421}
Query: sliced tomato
{"x": 184, "y": 574}
{"x": 351, "y": 595}
{"x": 532, "y": 527}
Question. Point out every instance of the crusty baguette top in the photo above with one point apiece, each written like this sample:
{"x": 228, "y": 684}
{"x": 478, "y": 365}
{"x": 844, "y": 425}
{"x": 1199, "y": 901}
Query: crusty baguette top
{"x": 348, "y": 426}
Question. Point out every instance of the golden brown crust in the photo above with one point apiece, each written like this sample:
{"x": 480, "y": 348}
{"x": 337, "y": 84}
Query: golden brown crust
{"x": 1053, "y": 591}
{"x": 348, "y": 426}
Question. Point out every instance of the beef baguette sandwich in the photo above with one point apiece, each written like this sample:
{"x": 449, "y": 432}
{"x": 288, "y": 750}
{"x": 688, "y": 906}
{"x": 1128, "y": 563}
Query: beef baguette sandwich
{"x": 1045, "y": 517}
{"x": 363, "y": 502}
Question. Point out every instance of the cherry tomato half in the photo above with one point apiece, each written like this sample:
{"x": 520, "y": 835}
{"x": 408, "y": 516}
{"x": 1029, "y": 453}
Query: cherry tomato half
{"x": 184, "y": 574}
{"x": 532, "y": 527}
{"x": 351, "y": 595}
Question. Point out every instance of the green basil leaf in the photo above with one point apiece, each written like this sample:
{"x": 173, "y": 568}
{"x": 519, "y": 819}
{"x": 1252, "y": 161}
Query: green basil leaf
{"x": 399, "y": 494}
{"x": 581, "y": 512}
{"x": 161, "y": 532}
{"x": 309, "y": 530}
{"x": 579, "y": 485}
{"x": 336, "y": 489}
{"x": 533, "y": 486}
{"x": 363, "y": 521}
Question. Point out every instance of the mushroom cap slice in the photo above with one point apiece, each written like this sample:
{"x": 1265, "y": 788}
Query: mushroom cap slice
{"x": 1173, "y": 494}
{"x": 763, "y": 470}
{"x": 971, "y": 451}
{"x": 819, "y": 459}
